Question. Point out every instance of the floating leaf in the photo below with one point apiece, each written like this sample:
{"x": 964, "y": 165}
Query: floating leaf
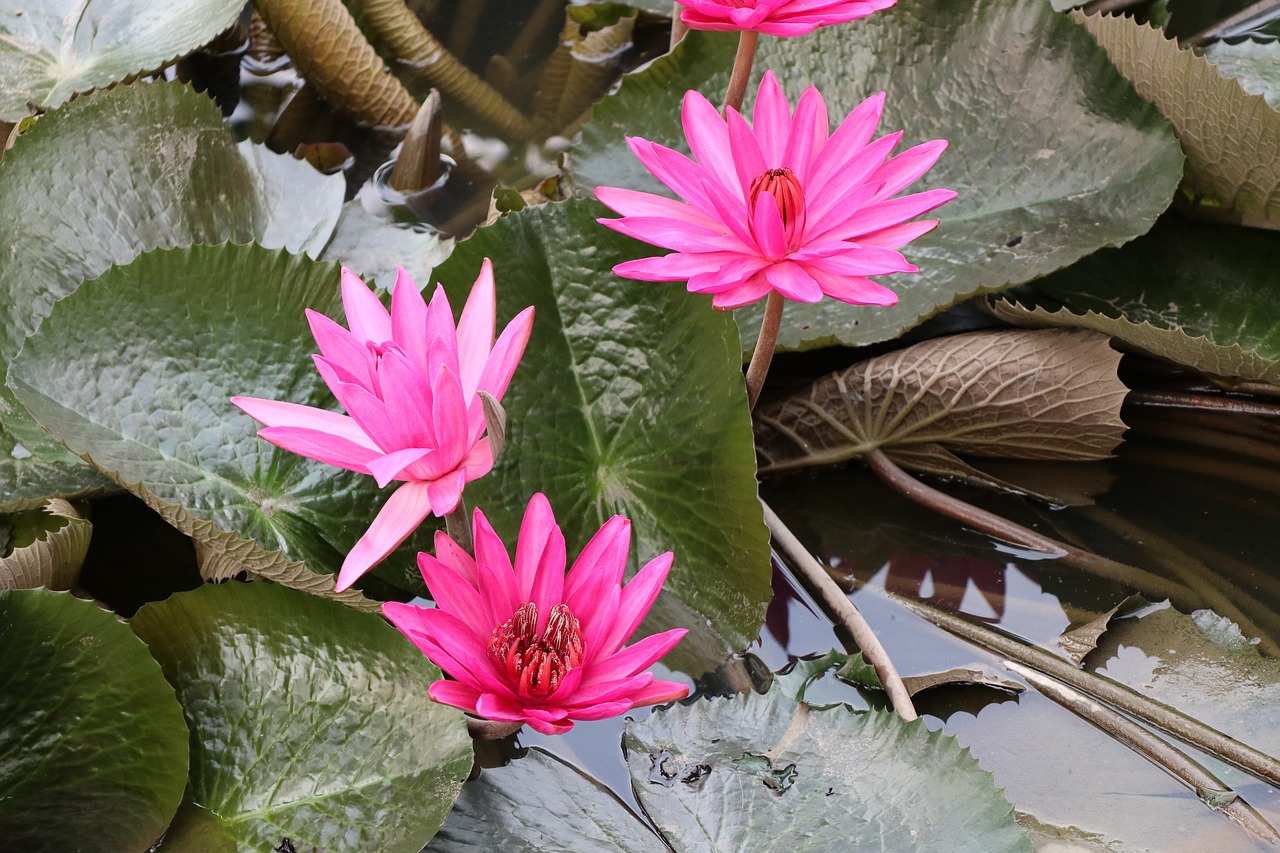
{"x": 1198, "y": 294}
{"x": 997, "y": 393}
{"x": 46, "y": 547}
{"x": 1231, "y": 138}
{"x": 309, "y": 721}
{"x": 629, "y": 400}
{"x": 1254, "y": 64}
{"x": 94, "y": 746}
{"x": 538, "y": 803}
{"x": 1052, "y": 152}
{"x": 765, "y": 773}
{"x": 53, "y": 50}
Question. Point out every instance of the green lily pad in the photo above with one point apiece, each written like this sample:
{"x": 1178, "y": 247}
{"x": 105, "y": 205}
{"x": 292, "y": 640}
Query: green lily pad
{"x": 97, "y": 182}
{"x": 765, "y": 773}
{"x": 1198, "y": 294}
{"x": 1052, "y": 152}
{"x": 1254, "y": 64}
{"x": 53, "y": 50}
{"x": 629, "y": 400}
{"x": 538, "y": 803}
{"x": 135, "y": 369}
{"x": 309, "y": 721}
{"x": 93, "y": 743}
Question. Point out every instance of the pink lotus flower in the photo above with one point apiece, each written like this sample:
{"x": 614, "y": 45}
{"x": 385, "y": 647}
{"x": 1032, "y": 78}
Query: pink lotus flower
{"x": 409, "y": 380}
{"x": 528, "y": 643}
{"x": 778, "y": 206}
{"x": 775, "y": 17}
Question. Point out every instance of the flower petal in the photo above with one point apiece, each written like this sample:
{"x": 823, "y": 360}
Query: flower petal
{"x": 771, "y": 120}
{"x": 637, "y": 597}
{"x": 476, "y": 328}
{"x": 399, "y": 516}
{"x": 367, "y": 318}
{"x": 455, "y": 694}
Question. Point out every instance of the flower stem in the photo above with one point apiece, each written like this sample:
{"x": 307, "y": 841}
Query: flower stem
{"x": 758, "y": 369}
{"x": 456, "y": 525}
{"x": 741, "y": 73}
{"x": 845, "y": 610}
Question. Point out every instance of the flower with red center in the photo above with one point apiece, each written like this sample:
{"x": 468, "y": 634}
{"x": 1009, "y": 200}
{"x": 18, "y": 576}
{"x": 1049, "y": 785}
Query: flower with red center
{"x": 528, "y": 643}
{"x": 775, "y": 17}
{"x": 410, "y": 381}
{"x": 778, "y": 205}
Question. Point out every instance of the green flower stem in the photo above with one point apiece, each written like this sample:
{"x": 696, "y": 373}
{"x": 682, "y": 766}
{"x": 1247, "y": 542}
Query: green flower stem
{"x": 816, "y": 577}
{"x": 1187, "y": 729}
{"x": 458, "y": 526}
{"x": 741, "y": 73}
{"x": 758, "y": 369}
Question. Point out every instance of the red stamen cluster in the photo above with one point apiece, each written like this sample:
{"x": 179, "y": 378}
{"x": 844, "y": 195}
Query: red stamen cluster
{"x": 537, "y": 665}
{"x": 785, "y": 188}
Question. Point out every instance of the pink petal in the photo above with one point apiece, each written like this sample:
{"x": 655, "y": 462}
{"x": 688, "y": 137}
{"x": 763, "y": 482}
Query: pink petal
{"x": 803, "y": 141}
{"x": 601, "y": 563}
{"x": 637, "y": 597}
{"x": 469, "y": 651}
{"x": 728, "y": 276}
{"x": 407, "y": 399}
{"x": 766, "y": 225}
{"x": 659, "y": 692}
{"x": 793, "y": 282}
{"x": 399, "y": 516}
{"x": 752, "y": 290}
{"x": 339, "y": 345}
{"x": 771, "y": 119}
{"x": 322, "y": 447}
{"x": 674, "y": 267}
{"x": 507, "y": 352}
{"x": 903, "y": 171}
{"x": 442, "y": 335}
{"x": 540, "y": 558}
{"x": 748, "y": 159}
{"x": 278, "y": 413}
{"x": 475, "y": 329}
{"x": 679, "y": 234}
{"x": 865, "y": 260}
{"x": 366, "y": 317}
{"x": 885, "y": 213}
{"x": 451, "y": 554}
{"x": 853, "y": 289}
{"x": 635, "y": 203}
{"x": 675, "y": 170}
{"x": 897, "y": 236}
{"x": 445, "y": 493}
{"x": 455, "y": 694}
{"x": 479, "y": 460}
{"x": 493, "y": 564}
{"x": 708, "y": 139}
{"x": 452, "y": 593}
{"x": 855, "y": 176}
{"x": 850, "y": 137}
{"x": 638, "y": 656}
{"x": 392, "y": 466}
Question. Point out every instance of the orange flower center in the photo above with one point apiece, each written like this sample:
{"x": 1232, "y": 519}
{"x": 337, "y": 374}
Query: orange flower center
{"x": 785, "y": 188}
{"x": 537, "y": 664}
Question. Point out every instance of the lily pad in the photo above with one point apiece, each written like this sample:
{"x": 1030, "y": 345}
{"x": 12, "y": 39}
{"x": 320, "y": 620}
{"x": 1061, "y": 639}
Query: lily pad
{"x": 629, "y": 400}
{"x": 538, "y": 803}
{"x": 97, "y": 182}
{"x": 766, "y": 773}
{"x": 309, "y": 721}
{"x": 1198, "y": 294}
{"x": 135, "y": 369}
{"x": 52, "y": 50}
{"x": 1254, "y": 64}
{"x": 93, "y": 739}
{"x": 45, "y": 547}
{"x": 1052, "y": 152}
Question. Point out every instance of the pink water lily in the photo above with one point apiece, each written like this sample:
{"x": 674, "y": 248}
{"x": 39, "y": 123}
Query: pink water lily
{"x": 409, "y": 380}
{"x": 779, "y": 205}
{"x": 775, "y": 17}
{"x": 527, "y": 643}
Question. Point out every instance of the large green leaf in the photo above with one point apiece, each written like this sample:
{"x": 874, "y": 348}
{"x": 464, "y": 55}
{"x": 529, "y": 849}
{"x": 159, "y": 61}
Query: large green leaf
{"x": 106, "y": 177}
{"x": 309, "y": 721}
{"x": 50, "y": 51}
{"x": 765, "y": 773}
{"x": 1254, "y": 64}
{"x": 1198, "y": 294}
{"x": 538, "y": 803}
{"x": 1052, "y": 152}
{"x": 135, "y": 369}
{"x": 93, "y": 749}
{"x": 629, "y": 400}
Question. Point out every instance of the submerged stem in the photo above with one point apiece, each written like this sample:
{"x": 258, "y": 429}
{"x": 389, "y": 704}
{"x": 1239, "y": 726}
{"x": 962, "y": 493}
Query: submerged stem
{"x": 845, "y": 610}
{"x": 741, "y": 73}
{"x": 761, "y": 357}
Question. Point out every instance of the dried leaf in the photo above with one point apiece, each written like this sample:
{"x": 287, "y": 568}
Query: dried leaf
{"x": 978, "y": 674}
{"x": 581, "y": 70}
{"x": 1050, "y": 395}
{"x": 1231, "y": 138}
{"x": 55, "y": 556}
{"x": 1076, "y": 642}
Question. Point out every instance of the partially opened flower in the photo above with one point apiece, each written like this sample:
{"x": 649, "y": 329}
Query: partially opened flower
{"x": 775, "y": 17}
{"x": 779, "y": 206}
{"x": 525, "y": 642}
{"x": 409, "y": 381}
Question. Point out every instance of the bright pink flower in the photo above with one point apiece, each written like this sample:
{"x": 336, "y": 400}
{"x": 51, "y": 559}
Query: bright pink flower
{"x": 775, "y": 17}
{"x": 778, "y": 206}
{"x": 409, "y": 381}
{"x": 528, "y": 643}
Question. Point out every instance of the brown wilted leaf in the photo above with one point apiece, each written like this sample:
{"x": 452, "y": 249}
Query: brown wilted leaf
{"x": 1051, "y": 395}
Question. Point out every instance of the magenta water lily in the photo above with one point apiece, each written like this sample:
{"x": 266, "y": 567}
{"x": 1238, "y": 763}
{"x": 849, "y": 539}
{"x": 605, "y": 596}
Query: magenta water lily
{"x": 780, "y": 205}
{"x": 775, "y": 17}
{"x": 524, "y": 641}
{"x": 409, "y": 381}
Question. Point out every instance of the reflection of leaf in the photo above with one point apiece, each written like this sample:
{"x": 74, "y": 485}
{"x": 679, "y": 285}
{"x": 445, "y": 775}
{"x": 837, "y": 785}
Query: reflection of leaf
{"x": 1231, "y": 138}
{"x": 375, "y": 247}
{"x": 998, "y": 393}
{"x": 1052, "y": 152}
{"x": 308, "y": 721}
{"x": 582, "y": 67}
{"x": 54, "y": 49}
{"x": 95, "y": 749}
{"x": 1254, "y": 64}
{"x": 538, "y": 803}
{"x": 1198, "y": 294}
{"x": 763, "y": 773}
{"x": 48, "y": 547}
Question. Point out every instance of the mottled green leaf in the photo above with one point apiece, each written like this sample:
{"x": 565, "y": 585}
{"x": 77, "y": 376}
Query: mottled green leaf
{"x": 1254, "y": 64}
{"x": 93, "y": 749}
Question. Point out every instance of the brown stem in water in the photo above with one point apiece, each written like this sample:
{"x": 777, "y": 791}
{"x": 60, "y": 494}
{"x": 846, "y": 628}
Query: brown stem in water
{"x": 458, "y": 526}
{"x": 816, "y": 578}
{"x": 1002, "y": 528}
{"x": 1182, "y": 400}
{"x": 762, "y": 355}
{"x": 741, "y": 73}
